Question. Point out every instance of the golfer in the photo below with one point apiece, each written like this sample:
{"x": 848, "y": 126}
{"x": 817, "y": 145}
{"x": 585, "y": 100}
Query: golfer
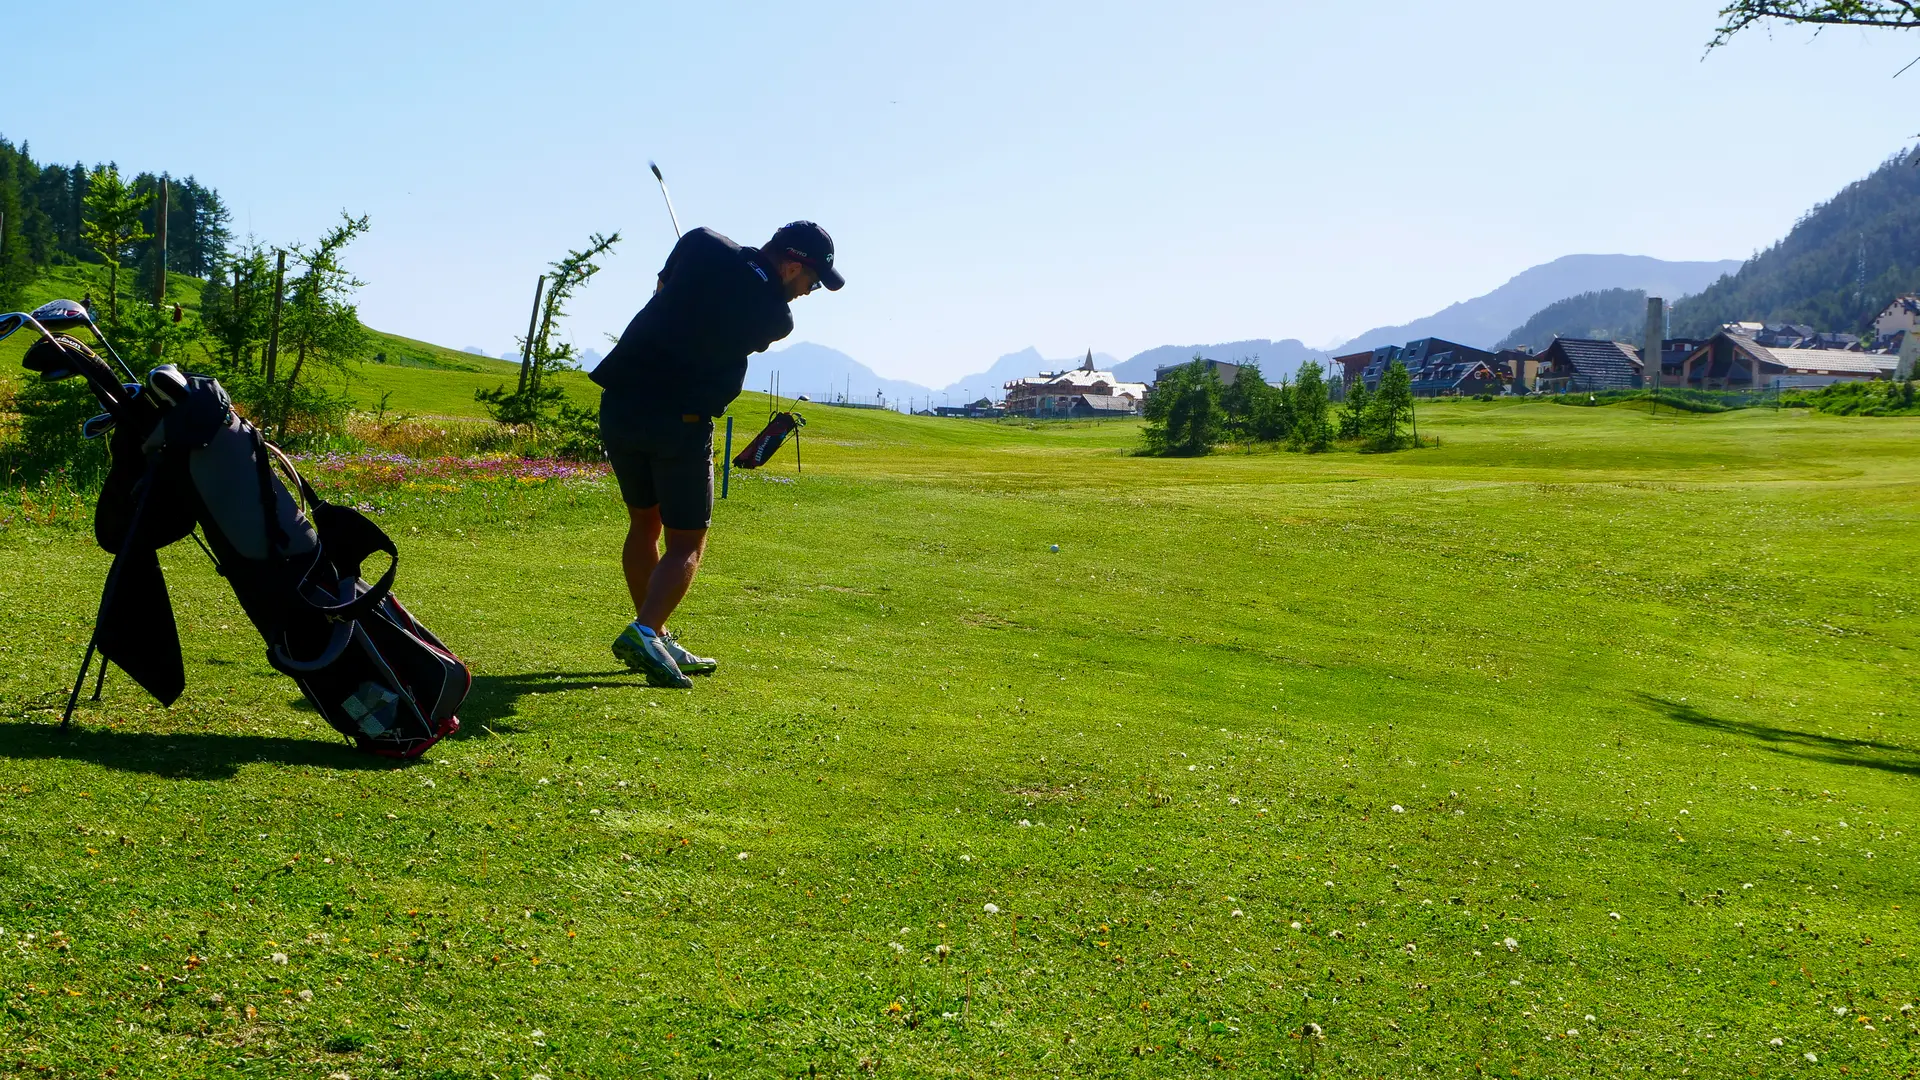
{"x": 679, "y": 364}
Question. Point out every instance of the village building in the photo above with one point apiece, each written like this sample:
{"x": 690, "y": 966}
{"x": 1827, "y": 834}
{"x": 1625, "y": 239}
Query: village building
{"x": 1435, "y": 365}
{"x": 1572, "y": 365}
{"x": 1084, "y": 391}
{"x": 1351, "y": 366}
{"x": 1739, "y": 362}
{"x": 1521, "y": 368}
{"x": 1901, "y": 316}
{"x": 1227, "y": 372}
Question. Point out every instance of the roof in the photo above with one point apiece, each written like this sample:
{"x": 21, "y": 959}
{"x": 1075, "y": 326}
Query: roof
{"x": 1599, "y": 360}
{"x": 1814, "y": 361}
{"x": 1108, "y": 402}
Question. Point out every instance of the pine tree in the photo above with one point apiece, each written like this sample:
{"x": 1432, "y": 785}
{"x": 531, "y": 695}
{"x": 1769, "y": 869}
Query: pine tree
{"x": 1183, "y": 411}
{"x": 1311, "y": 431}
{"x": 1353, "y": 412}
{"x": 1392, "y": 404}
{"x": 113, "y": 229}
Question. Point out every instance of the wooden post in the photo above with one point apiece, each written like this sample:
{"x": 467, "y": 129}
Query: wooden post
{"x": 273, "y": 322}
{"x": 160, "y": 248}
{"x": 533, "y": 320}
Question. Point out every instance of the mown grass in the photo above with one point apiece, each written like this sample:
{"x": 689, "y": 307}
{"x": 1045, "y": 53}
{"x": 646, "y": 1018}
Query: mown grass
{"x": 1377, "y": 743}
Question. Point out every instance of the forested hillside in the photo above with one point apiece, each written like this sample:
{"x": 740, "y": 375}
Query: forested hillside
{"x": 44, "y": 223}
{"x": 1607, "y": 315}
{"x": 1839, "y": 267}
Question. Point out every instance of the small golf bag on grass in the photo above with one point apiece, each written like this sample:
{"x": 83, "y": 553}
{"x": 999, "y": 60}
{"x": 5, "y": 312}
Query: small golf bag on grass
{"x": 770, "y": 439}
{"x": 181, "y": 458}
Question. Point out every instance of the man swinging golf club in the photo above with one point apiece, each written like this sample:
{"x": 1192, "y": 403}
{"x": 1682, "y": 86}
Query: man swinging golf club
{"x": 678, "y": 365}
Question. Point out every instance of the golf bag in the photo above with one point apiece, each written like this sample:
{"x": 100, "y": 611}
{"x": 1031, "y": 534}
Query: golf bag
{"x": 763, "y": 445}
{"x": 180, "y": 458}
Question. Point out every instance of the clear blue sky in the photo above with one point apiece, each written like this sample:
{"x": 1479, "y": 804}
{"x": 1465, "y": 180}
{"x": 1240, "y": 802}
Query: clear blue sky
{"x": 1116, "y": 175}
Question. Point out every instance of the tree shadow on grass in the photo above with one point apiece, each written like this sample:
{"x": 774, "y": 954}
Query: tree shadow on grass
{"x": 496, "y": 697}
{"x": 1862, "y": 753}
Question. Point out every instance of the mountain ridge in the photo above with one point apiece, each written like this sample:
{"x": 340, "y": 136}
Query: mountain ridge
{"x": 1486, "y": 319}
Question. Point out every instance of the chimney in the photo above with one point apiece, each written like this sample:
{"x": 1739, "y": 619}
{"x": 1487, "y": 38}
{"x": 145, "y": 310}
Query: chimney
{"x": 1655, "y": 341}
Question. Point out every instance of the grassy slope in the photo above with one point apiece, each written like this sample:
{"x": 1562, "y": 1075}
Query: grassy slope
{"x": 1573, "y": 663}
{"x": 424, "y": 379}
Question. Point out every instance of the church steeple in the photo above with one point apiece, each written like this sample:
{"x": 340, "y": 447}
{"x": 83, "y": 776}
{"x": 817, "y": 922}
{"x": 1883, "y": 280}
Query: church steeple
{"x": 1088, "y": 365}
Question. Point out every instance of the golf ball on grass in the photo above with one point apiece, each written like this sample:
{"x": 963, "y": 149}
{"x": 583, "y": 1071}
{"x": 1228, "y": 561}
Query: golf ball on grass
{"x": 1055, "y": 548}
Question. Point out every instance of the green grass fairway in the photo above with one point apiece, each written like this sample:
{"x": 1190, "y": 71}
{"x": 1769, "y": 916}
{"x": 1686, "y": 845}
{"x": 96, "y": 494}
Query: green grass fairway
{"x": 1581, "y": 745}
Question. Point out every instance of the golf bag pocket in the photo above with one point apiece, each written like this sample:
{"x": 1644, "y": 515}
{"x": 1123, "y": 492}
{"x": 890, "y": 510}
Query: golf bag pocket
{"x": 377, "y": 675}
{"x": 361, "y": 695}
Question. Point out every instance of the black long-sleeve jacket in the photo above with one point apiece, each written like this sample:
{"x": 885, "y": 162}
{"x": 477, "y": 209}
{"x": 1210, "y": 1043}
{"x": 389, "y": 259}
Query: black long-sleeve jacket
{"x": 686, "y": 351}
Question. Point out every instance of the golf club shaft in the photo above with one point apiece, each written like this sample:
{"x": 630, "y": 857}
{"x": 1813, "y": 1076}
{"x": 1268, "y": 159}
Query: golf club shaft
{"x": 669, "y": 198}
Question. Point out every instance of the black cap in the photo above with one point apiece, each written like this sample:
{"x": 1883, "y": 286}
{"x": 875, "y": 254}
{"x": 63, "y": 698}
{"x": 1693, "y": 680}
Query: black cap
{"x": 810, "y": 246}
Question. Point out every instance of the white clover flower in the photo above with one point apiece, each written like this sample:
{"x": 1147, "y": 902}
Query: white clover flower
{"x": 896, "y": 946}
{"x": 1573, "y": 1033}
{"x": 966, "y": 858}
{"x": 1295, "y": 924}
{"x": 538, "y": 1034}
{"x": 305, "y": 995}
{"x": 1398, "y": 809}
{"x": 278, "y": 958}
{"x": 1025, "y": 824}
{"x": 1510, "y": 944}
{"x": 1811, "y": 1059}
{"x": 1234, "y": 914}
{"x": 1235, "y": 801}
{"x": 1588, "y": 1018}
{"x": 742, "y": 856}
{"x": 1776, "y": 1042}
{"x": 992, "y": 909}
{"x": 1614, "y": 915}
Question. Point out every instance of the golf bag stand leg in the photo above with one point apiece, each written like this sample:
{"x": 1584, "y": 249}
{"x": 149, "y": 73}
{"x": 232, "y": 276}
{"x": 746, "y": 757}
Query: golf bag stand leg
{"x": 80, "y": 680}
{"x": 100, "y": 683}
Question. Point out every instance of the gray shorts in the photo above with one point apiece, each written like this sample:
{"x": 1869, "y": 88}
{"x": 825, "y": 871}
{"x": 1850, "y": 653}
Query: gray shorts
{"x": 666, "y": 462}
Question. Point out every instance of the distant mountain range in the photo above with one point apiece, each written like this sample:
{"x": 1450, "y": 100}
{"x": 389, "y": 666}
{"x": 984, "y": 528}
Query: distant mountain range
{"x": 1484, "y": 320}
{"x": 1278, "y": 359}
{"x": 823, "y": 373}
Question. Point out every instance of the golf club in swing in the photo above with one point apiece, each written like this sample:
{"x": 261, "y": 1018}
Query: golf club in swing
{"x": 669, "y": 198}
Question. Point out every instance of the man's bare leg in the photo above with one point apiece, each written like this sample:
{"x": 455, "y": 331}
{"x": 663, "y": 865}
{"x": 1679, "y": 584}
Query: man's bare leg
{"x": 672, "y": 576}
{"x": 641, "y": 553}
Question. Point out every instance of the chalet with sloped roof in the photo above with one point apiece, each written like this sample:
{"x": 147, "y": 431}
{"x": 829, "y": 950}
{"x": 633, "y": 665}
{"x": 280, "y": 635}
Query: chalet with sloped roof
{"x": 1571, "y": 365}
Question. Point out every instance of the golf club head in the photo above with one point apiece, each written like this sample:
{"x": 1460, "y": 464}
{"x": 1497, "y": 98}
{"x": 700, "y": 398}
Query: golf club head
{"x": 62, "y": 356}
{"x": 167, "y": 384}
{"x": 10, "y": 322}
{"x": 97, "y": 426}
{"x": 61, "y": 315}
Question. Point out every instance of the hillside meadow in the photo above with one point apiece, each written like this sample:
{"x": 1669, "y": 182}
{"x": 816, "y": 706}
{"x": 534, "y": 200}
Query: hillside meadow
{"x": 1582, "y": 744}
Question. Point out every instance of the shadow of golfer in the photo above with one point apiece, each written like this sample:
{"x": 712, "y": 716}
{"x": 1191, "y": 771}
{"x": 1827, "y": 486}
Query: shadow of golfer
{"x": 496, "y": 697}
{"x": 177, "y": 755}
{"x": 1862, "y": 753}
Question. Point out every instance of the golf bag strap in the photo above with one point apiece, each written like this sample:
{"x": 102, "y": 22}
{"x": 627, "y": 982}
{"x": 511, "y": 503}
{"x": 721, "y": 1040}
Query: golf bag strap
{"x": 336, "y": 647}
{"x": 347, "y": 537}
{"x": 264, "y": 455}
